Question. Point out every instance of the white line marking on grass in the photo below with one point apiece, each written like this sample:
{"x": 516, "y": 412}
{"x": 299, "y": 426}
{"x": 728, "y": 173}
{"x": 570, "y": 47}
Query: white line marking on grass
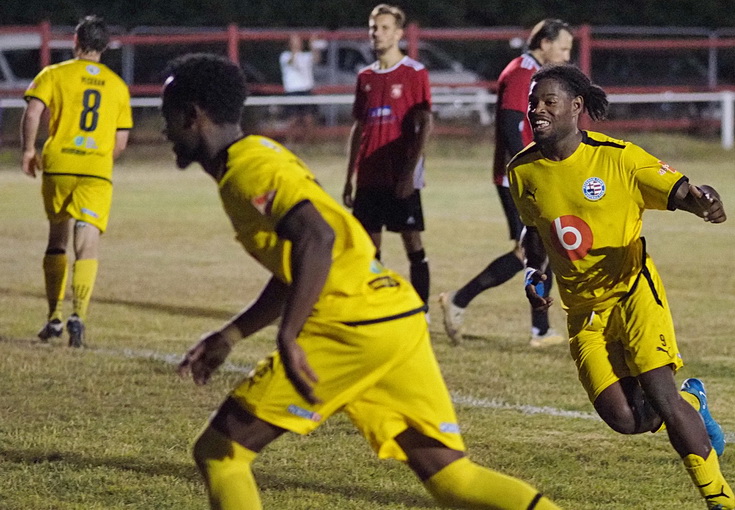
{"x": 481, "y": 403}
{"x": 169, "y": 359}
{"x": 484, "y": 403}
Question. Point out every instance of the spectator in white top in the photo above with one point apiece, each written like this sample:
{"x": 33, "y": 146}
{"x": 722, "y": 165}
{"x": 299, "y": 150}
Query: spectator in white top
{"x": 297, "y": 70}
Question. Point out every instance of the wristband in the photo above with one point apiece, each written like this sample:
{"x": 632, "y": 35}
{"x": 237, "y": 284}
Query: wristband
{"x": 539, "y": 286}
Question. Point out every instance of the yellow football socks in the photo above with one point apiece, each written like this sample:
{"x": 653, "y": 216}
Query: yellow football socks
{"x": 225, "y": 466}
{"x": 55, "y": 271}
{"x": 82, "y": 283}
{"x": 464, "y": 484}
{"x": 708, "y": 479}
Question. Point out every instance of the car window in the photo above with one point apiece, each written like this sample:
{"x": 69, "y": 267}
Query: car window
{"x": 23, "y": 63}
{"x": 433, "y": 61}
{"x": 350, "y": 60}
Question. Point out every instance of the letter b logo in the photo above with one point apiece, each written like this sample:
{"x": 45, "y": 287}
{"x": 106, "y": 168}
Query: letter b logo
{"x": 572, "y": 237}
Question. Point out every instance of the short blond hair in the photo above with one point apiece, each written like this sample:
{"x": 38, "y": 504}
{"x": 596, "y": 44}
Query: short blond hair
{"x": 392, "y": 10}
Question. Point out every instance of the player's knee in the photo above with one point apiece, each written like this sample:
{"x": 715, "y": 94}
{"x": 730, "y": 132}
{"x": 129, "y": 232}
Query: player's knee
{"x": 210, "y": 445}
{"x": 621, "y": 420}
{"x": 212, "y": 448}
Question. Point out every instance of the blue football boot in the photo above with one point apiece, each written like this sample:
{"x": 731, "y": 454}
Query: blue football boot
{"x": 714, "y": 431}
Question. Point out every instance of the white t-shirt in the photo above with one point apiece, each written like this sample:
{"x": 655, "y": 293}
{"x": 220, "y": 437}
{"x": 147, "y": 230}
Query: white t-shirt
{"x": 298, "y": 76}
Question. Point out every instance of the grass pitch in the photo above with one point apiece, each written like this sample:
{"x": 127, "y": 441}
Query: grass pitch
{"x": 109, "y": 427}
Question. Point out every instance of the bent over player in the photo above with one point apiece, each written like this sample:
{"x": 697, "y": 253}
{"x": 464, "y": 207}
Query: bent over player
{"x": 582, "y": 196}
{"x": 352, "y": 335}
{"x": 90, "y": 119}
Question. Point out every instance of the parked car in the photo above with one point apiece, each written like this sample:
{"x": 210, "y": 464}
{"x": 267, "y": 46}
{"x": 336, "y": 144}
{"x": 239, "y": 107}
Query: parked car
{"x": 342, "y": 59}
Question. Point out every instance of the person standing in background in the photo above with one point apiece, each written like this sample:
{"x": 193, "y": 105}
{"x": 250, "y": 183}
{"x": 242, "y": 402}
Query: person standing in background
{"x": 392, "y": 113}
{"x": 550, "y": 41}
{"x": 90, "y": 119}
{"x": 297, "y": 73}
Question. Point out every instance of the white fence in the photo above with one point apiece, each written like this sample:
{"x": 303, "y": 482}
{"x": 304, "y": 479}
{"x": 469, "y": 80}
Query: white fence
{"x": 478, "y": 99}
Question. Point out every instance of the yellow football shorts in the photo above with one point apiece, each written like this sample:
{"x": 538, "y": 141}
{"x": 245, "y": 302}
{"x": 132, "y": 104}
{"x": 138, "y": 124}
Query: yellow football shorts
{"x": 383, "y": 375}
{"x": 83, "y": 198}
{"x": 634, "y": 336}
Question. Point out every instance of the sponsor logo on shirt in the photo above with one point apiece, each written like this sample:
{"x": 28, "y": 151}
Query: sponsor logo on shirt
{"x": 450, "y": 428}
{"x": 85, "y": 141}
{"x": 665, "y": 168}
{"x": 304, "y": 413}
{"x": 264, "y": 202}
{"x": 594, "y": 188}
{"x": 380, "y": 115}
{"x": 93, "y": 69}
{"x": 571, "y": 236}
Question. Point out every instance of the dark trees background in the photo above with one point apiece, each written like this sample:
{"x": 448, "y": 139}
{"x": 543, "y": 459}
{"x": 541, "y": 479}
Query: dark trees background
{"x": 354, "y": 13}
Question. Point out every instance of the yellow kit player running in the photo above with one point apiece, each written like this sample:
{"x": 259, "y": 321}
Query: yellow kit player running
{"x": 582, "y": 196}
{"x": 90, "y": 119}
{"x": 352, "y": 335}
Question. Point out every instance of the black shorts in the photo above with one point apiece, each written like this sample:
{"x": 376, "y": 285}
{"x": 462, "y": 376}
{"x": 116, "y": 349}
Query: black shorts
{"x": 511, "y": 213}
{"x": 376, "y": 208}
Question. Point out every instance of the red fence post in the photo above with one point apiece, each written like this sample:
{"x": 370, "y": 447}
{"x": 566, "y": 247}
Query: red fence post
{"x": 412, "y": 36}
{"x": 44, "y": 29}
{"x": 233, "y": 43}
{"x": 584, "y": 35}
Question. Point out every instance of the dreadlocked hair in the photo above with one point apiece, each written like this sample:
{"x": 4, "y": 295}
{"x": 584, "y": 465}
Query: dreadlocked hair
{"x": 576, "y": 83}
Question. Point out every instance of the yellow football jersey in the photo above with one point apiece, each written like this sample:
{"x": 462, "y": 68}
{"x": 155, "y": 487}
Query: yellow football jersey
{"x": 264, "y": 181}
{"x": 88, "y": 103}
{"x": 588, "y": 211}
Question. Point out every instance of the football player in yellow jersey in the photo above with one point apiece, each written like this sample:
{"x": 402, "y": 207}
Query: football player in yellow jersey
{"x": 89, "y": 122}
{"x": 352, "y": 335}
{"x": 582, "y": 196}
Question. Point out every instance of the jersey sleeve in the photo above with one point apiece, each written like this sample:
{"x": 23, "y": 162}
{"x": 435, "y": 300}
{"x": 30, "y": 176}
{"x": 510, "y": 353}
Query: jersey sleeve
{"x": 125, "y": 115}
{"x": 358, "y": 108}
{"x": 515, "y": 93}
{"x": 42, "y": 87}
{"x": 653, "y": 178}
{"x": 274, "y": 185}
{"x": 424, "y": 94}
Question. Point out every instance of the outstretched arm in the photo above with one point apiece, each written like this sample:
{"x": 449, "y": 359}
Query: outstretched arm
{"x": 536, "y": 262}
{"x": 703, "y": 201}
{"x": 214, "y": 347}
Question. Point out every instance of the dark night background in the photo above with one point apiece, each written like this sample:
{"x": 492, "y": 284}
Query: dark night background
{"x": 341, "y": 13}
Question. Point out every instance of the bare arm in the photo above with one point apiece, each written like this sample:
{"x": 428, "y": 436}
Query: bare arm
{"x": 422, "y": 123}
{"x": 311, "y": 260}
{"x": 353, "y": 146}
{"x": 213, "y": 348}
{"x": 121, "y": 142}
{"x": 703, "y": 201}
{"x": 29, "y": 125}
{"x": 536, "y": 262}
